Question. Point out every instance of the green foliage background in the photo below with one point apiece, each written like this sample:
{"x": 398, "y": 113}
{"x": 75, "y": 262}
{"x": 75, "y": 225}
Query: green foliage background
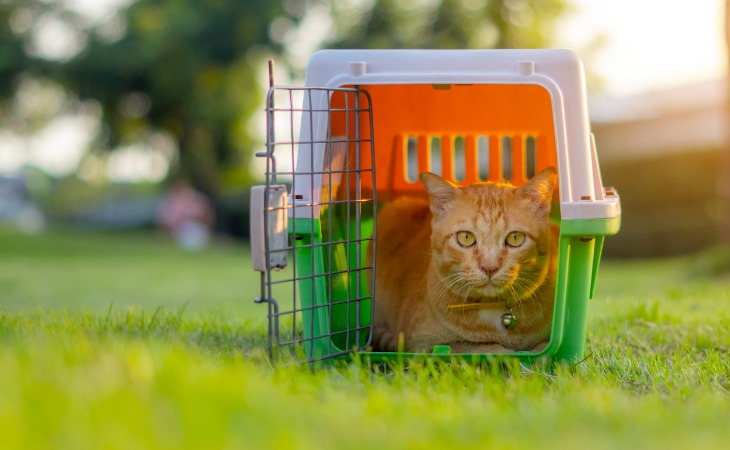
{"x": 194, "y": 69}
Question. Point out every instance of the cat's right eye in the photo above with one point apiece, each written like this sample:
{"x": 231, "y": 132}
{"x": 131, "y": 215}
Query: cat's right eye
{"x": 515, "y": 239}
{"x": 465, "y": 239}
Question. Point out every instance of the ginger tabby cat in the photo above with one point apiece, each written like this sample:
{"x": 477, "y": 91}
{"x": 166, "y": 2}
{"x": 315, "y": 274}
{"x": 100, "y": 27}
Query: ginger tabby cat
{"x": 473, "y": 269}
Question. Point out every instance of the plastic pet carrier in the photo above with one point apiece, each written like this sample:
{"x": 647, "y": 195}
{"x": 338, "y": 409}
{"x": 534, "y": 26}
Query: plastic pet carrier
{"x": 356, "y": 137}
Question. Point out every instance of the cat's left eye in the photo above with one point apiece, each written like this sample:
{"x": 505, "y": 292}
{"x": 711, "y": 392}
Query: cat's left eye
{"x": 515, "y": 239}
{"x": 465, "y": 239}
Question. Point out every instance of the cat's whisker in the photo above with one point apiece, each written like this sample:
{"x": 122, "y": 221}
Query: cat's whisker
{"x": 445, "y": 282}
{"x": 464, "y": 285}
{"x": 526, "y": 286}
{"x": 464, "y": 302}
{"x": 515, "y": 297}
{"x": 464, "y": 298}
{"x": 535, "y": 298}
{"x": 453, "y": 279}
{"x": 461, "y": 280}
{"x": 518, "y": 289}
{"x": 449, "y": 277}
{"x": 532, "y": 300}
{"x": 527, "y": 290}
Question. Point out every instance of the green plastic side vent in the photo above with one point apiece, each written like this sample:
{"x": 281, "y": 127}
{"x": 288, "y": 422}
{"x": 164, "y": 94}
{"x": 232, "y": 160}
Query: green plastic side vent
{"x": 575, "y": 271}
{"x": 307, "y": 239}
{"x": 588, "y": 229}
{"x": 596, "y": 262}
{"x": 336, "y": 316}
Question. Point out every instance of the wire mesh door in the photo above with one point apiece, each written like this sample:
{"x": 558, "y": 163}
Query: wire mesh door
{"x": 319, "y": 212}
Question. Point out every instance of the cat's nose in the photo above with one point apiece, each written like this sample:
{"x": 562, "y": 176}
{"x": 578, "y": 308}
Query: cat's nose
{"x": 490, "y": 269}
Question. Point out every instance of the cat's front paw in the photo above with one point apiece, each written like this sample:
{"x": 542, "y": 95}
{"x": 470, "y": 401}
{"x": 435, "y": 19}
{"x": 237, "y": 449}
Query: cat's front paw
{"x": 384, "y": 340}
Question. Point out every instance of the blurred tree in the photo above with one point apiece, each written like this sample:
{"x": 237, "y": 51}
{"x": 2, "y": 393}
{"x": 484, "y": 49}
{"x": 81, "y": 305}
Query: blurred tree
{"x": 13, "y": 58}
{"x": 188, "y": 68}
{"x": 446, "y": 23}
{"x": 179, "y": 66}
{"x": 185, "y": 67}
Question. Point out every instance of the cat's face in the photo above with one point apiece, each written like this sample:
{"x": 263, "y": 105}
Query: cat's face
{"x": 490, "y": 241}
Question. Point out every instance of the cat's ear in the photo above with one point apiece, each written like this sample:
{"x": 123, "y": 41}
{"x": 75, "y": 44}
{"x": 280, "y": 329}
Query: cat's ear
{"x": 439, "y": 190}
{"x": 539, "y": 190}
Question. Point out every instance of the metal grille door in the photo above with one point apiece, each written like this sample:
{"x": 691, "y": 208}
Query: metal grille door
{"x": 313, "y": 222}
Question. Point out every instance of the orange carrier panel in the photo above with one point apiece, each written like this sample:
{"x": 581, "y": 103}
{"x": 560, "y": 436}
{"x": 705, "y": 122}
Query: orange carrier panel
{"x": 448, "y": 112}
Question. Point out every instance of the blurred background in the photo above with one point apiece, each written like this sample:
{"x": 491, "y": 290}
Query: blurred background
{"x": 127, "y": 115}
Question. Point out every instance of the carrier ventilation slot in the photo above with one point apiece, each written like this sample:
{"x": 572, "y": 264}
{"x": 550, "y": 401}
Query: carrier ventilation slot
{"x": 435, "y": 161}
{"x": 530, "y": 156}
{"x": 465, "y": 159}
{"x": 459, "y": 159}
{"x": 507, "y": 153}
{"x": 412, "y": 159}
{"x": 483, "y": 158}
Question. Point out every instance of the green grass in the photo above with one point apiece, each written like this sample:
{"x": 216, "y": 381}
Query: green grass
{"x": 124, "y": 341}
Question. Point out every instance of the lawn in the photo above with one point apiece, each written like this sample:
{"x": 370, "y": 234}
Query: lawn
{"x": 124, "y": 341}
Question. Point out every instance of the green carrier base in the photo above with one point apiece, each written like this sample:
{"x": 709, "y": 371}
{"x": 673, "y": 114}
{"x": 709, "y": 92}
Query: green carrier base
{"x": 336, "y": 315}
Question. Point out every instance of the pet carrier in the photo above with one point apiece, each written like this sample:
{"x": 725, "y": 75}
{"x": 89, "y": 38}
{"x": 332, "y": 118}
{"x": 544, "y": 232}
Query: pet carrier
{"x": 358, "y": 134}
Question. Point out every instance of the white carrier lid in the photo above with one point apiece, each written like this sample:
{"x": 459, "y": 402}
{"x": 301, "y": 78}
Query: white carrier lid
{"x": 560, "y": 72}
